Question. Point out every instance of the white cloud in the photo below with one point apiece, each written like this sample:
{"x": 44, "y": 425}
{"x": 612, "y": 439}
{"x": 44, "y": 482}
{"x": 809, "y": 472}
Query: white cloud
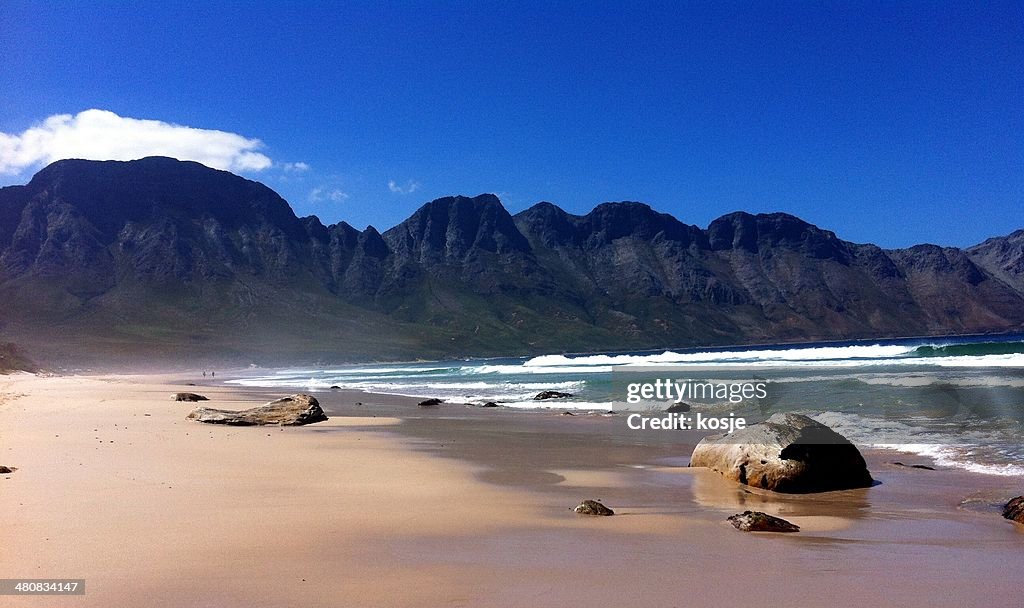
{"x": 327, "y": 194}
{"x": 410, "y": 187}
{"x": 103, "y": 135}
{"x": 295, "y": 167}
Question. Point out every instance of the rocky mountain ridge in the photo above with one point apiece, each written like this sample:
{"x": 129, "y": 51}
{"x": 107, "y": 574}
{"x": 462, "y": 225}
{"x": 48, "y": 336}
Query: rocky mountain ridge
{"x": 165, "y": 257}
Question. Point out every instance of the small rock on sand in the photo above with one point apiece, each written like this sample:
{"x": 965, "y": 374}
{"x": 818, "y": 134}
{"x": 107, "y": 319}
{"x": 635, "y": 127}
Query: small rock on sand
{"x": 188, "y": 397}
{"x": 5, "y": 470}
{"x": 429, "y": 402}
{"x": 757, "y": 521}
{"x": 490, "y": 404}
{"x": 592, "y": 507}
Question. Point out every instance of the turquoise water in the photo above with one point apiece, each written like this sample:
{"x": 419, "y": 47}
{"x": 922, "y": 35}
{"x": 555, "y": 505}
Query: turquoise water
{"x": 959, "y": 400}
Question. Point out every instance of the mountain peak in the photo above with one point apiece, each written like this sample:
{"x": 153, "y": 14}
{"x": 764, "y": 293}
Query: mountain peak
{"x": 450, "y": 228}
{"x": 765, "y": 231}
{"x": 481, "y": 200}
{"x": 1002, "y": 256}
{"x": 107, "y": 192}
{"x": 610, "y": 221}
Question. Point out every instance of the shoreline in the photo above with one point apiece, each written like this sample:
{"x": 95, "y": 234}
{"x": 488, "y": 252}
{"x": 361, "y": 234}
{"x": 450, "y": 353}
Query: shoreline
{"x": 936, "y": 454}
{"x": 233, "y": 365}
{"x": 387, "y": 503}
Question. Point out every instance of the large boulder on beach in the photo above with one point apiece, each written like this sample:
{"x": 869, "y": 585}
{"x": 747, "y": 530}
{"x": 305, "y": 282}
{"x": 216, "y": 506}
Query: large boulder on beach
{"x": 288, "y": 411}
{"x": 758, "y": 521}
{"x": 786, "y": 453}
{"x": 1014, "y": 510}
{"x": 188, "y": 397}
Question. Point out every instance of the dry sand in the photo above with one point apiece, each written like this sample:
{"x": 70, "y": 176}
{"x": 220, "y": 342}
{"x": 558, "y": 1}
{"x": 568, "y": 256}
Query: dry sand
{"x": 392, "y": 505}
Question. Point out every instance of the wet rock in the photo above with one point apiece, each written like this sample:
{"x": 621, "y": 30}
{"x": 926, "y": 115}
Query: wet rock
{"x": 593, "y": 507}
{"x": 188, "y": 397}
{"x": 430, "y": 402}
{"x": 678, "y": 408}
{"x": 5, "y": 470}
{"x": 289, "y": 411}
{"x": 758, "y": 521}
{"x": 786, "y": 453}
{"x": 541, "y": 396}
{"x": 335, "y": 387}
{"x": 1014, "y": 510}
{"x": 914, "y": 466}
{"x": 490, "y": 404}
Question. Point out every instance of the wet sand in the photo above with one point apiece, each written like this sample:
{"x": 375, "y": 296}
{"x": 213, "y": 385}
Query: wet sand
{"x": 389, "y": 504}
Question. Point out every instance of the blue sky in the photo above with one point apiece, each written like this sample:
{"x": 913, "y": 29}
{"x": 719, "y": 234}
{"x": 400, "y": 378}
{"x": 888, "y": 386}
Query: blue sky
{"x": 890, "y": 122}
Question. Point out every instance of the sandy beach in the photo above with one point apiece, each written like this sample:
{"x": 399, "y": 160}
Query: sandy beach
{"x": 387, "y": 504}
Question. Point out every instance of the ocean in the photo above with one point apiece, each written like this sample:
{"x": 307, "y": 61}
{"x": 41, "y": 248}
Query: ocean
{"x": 958, "y": 400}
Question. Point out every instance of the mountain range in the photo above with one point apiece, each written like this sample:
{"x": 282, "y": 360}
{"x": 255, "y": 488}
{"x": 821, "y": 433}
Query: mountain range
{"x": 160, "y": 259}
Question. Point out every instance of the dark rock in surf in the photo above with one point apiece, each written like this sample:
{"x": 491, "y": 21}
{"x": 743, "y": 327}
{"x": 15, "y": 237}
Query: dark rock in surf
{"x": 430, "y": 402}
{"x": 914, "y": 466}
{"x": 541, "y": 396}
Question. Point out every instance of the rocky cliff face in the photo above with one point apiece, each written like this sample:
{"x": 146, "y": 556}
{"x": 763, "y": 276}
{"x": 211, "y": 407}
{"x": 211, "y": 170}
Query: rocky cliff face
{"x": 764, "y": 277}
{"x": 179, "y": 256}
{"x": 158, "y": 219}
{"x": 472, "y": 241}
{"x": 1003, "y": 258}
